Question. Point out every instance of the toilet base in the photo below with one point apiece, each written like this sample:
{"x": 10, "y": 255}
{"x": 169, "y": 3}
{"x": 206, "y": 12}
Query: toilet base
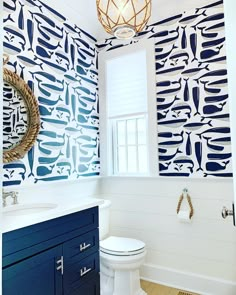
{"x": 121, "y": 282}
{"x": 127, "y": 282}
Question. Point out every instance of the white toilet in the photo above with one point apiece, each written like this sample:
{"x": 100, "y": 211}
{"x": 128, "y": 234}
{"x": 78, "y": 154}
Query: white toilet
{"x": 120, "y": 259}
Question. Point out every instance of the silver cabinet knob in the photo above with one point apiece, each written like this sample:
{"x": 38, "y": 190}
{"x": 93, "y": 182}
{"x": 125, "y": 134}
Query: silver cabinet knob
{"x": 226, "y": 212}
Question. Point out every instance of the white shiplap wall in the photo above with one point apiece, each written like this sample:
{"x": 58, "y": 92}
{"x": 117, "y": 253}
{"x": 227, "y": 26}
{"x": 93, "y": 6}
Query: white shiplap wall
{"x": 84, "y": 187}
{"x": 199, "y": 256}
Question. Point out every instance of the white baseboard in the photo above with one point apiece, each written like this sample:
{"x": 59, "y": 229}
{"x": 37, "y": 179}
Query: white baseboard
{"x": 187, "y": 281}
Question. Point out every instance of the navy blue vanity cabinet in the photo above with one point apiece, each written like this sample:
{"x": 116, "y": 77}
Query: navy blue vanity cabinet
{"x": 36, "y": 275}
{"x": 55, "y": 257}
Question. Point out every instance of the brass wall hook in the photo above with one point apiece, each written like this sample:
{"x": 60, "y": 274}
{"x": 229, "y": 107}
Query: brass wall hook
{"x": 181, "y": 198}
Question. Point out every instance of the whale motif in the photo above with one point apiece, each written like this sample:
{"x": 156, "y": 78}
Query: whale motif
{"x": 172, "y": 143}
{"x": 44, "y": 171}
{"x": 218, "y": 174}
{"x": 207, "y": 35}
{"x": 213, "y": 43}
{"x": 161, "y": 107}
{"x": 31, "y": 3}
{"x": 181, "y": 54}
{"x": 169, "y": 40}
{"x": 209, "y": 53}
{"x": 215, "y": 166}
{"x": 220, "y": 60}
{"x": 222, "y": 117}
{"x": 41, "y": 40}
{"x": 198, "y": 153}
{"x": 212, "y": 5}
{"x": 213, "y": 147}
{"x": 214, "y": 73}
{"x": 182, "y": 160}
{"x": 209, "y": 89}
{"x": 216, "y": 28}
{"x": 212, "y": 109}
{"x": 15, "y": 33}
{"x": 191, "y": 18}
{"x": 54, "y": 13}
{"x": 9, "y": 6}
{"x": 163, "y": 167}
{"x": 220, "y": 130}
{"x": 215, "y": 99}
{"x": 168, "y": 21}
{"x": 197, "y": 125}
{"x": 171, "y": 91}
{"x": 211, "y": 18}
{"x": 59, "y": 61}
{"x": 219, "y": 156}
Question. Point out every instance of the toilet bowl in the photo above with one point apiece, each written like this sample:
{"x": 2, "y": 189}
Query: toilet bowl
{"x": 120, "y": 259}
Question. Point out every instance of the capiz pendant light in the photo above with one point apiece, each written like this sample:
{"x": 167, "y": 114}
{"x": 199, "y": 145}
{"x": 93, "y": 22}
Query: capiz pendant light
{"x": 123, "y": 18}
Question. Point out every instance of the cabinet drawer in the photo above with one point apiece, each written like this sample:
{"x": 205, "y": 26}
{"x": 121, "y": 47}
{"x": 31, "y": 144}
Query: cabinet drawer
{"x": 80, "y": 247}
{"x": 91, "y": 287}
{"x": 80, "y": 272}
{"x": 27, "y": 241}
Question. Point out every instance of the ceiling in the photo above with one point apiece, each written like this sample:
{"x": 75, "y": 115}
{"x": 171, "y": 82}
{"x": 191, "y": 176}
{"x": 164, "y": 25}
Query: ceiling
{"x": 84, "y": 14}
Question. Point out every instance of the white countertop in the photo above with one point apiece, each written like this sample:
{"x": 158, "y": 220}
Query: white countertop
{"x": 66, "y": 204}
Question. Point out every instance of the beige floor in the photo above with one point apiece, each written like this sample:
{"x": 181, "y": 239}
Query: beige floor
{"x": 154, "y": 289}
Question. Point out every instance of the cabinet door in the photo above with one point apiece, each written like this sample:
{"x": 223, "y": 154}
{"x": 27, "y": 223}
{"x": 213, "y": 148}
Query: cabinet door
{"x": 36, "y": 275}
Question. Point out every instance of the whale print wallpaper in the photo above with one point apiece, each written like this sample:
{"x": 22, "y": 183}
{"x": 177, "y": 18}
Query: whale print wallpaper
{"x": 58, "y": 60}
{"x": 191, "y": 92}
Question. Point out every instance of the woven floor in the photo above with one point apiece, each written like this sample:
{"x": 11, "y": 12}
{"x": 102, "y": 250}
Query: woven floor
{"x": 156, "y": 289}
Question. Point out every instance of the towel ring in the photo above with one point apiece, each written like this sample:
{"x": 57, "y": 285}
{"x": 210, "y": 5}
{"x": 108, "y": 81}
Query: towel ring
{"x": 181, "y": 198}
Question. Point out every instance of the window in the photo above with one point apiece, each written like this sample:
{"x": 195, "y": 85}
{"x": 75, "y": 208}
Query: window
{"x": 126, "y": 91}
{"x": 130, "y": 145}
{"x": 128, "y": 109}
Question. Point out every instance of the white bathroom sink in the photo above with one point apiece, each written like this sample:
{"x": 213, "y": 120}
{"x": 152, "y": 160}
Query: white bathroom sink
{"x": 26, "y": 209}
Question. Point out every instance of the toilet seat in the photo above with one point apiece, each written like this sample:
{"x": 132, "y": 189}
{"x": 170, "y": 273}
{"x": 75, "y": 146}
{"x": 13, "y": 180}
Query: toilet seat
{"x": 119, "y": 246}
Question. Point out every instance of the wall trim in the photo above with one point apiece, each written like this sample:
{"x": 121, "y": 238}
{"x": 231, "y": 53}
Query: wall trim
{"x": 61, "y": 183}
{"x": 167, "y": 178}
{"x": 189, "y": 281}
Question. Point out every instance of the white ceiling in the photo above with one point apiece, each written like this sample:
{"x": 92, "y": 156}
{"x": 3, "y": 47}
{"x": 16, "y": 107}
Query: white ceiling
{"x": 84, "y": 14}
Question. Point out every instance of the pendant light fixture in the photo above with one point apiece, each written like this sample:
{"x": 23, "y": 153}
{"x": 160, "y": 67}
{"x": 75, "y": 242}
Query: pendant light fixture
{"x": 123, "y": 18}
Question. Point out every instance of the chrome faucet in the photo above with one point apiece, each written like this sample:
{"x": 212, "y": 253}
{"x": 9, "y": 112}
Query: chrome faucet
{"x": 13, "y": 195}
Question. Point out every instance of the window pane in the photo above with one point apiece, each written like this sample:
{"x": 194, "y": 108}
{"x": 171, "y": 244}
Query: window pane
{"x": 141, "y": 131}
{"x": 121, "y": 132}
{"x": 121, "y": 160}
{"x": 132, "y": 160}
{"x": 142, "y": 157}
{"x": 131, "y": 130}
{"x": 130, "y": 148}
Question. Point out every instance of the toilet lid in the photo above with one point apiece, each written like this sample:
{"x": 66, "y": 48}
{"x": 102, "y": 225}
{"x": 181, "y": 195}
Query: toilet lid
{"x": 121, "y": 246}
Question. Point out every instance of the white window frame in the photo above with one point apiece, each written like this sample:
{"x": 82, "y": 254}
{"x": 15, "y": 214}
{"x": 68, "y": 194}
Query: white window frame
{"x": 106, "y": 151}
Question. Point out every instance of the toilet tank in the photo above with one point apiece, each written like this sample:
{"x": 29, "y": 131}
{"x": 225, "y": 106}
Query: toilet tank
{"x": 104, "y": 219}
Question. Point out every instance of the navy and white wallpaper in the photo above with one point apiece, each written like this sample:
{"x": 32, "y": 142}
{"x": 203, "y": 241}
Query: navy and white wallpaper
{"x": 58, "y": 60}
{"x": 191, "y": 92}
